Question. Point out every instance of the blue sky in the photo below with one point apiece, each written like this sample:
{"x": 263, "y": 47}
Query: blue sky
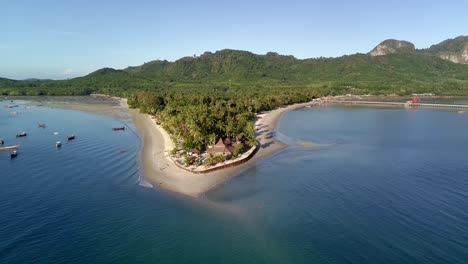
{"x": 65, "y": 39}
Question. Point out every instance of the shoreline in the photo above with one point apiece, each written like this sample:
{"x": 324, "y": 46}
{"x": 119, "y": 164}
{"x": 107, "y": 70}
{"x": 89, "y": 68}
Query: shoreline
{"x": 162, "y": 172}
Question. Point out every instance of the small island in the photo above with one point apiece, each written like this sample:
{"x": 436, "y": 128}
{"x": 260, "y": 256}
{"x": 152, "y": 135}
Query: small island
{"x": 205, "y": 136}
{"x": 178, "y": 156}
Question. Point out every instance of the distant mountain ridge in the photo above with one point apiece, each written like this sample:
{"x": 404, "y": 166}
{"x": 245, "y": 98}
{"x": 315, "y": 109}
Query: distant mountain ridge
{"x": 454, "y": 50}
{"x": 393, "y": 66}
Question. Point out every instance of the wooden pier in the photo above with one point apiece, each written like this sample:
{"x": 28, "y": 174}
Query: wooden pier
{"x": 401, "y": 104}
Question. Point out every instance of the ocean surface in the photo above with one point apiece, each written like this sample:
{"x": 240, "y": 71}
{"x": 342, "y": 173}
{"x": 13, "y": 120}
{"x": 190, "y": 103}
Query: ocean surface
{"x": 385, "y": 186}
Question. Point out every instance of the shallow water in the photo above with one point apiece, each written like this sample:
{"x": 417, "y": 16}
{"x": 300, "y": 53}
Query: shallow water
{"x": 84, "y": 203}
{"x": 385, "y": 186}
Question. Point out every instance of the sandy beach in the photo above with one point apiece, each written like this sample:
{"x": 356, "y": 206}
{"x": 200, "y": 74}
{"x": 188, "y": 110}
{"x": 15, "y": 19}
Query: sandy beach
{"x": 163, "y": 173}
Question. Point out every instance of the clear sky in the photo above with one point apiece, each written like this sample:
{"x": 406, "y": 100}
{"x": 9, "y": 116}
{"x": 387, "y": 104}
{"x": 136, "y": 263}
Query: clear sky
{"x": 64, "y": 39}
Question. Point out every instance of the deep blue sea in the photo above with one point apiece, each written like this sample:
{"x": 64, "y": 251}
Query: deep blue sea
{"x": 385, "y": 186}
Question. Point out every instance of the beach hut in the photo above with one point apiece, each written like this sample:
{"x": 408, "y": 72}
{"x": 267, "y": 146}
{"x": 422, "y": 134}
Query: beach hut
{"x": 221, "y": 149}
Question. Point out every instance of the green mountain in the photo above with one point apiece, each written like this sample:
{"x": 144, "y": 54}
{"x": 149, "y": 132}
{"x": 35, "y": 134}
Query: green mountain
{"x": 454, "y": 50}
{"x": 222, "y": 66}
{"x": 7, "y": 81}
{"x": 392, "y": 67}
{"x": 391, "y": 46}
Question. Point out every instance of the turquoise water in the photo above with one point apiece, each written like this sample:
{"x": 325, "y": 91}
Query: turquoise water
{"x": 385, "y": 186}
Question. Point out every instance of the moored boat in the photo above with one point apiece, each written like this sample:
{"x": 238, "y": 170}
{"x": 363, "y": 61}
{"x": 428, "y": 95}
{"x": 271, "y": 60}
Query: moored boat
{"x": 42, "y": 125}
{"x": 118, "y": 128}
{"x": 72, "y": 137}
{"x": 14, "y": 154}
{"x": 2, "y": 142}
{"x": 9, "y": 148}
{"x": 58, "y": 144}
{"x": 22, "y": 134}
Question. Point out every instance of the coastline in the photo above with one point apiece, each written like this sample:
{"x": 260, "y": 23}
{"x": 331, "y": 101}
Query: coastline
{"x": 162, "y": 172}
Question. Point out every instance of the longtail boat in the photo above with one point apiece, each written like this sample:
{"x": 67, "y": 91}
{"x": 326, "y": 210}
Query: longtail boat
{"x": 22, "y": 134}
{"x": 9, "y": 148}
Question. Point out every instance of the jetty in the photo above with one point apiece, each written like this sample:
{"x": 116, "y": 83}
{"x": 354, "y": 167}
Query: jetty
{"x": 408, "y": 104}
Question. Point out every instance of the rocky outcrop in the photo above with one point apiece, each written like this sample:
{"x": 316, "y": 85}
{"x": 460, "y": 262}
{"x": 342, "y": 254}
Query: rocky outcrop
{"x": 391, "y": 46}
{"x": 461, "y": 57}
{"x": 454, "y": 50}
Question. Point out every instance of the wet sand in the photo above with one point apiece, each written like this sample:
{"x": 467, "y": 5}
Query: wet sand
{"x": 97, "y": 104}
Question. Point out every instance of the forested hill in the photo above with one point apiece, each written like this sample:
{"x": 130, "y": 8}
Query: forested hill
{"x": 388, "y": 71}
{"x": 455, "y": 50}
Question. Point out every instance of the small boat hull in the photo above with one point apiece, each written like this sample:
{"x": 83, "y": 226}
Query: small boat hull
{"x": 9, "y": 148}
{"x": 118, "y": 128}
{"x": 24, "y": 134}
